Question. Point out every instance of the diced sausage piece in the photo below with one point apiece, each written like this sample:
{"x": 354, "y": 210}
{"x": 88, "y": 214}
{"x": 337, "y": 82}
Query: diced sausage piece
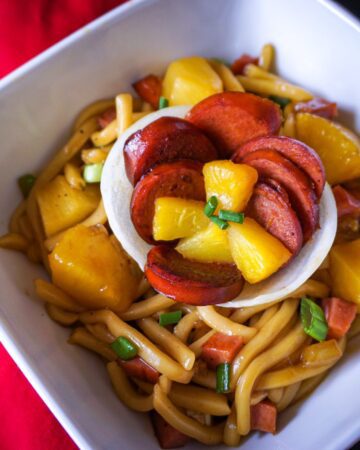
{"x": 339, "y": 316}
{"x": 149, "y": 89}
{"x": 318, "y": 106}
{"x": 107, "y": 117}
{"x": 263, "y": 417}
{"x": 165, "y": 140}
{"x": 181, "y": 179}
{"x": 191, "y": 282}
{"x": 230, "y": 119}
{"x": 138, "y": 368}
{"x": 168, "y": 436}
{"x": 299, "y": 153}
{"x": 271, "y": 208}
{"x": 239, "y": 64}
{"x": 220, "y": 349}
{"x": 346, "y": 203}
{"x": 271, "y": 164}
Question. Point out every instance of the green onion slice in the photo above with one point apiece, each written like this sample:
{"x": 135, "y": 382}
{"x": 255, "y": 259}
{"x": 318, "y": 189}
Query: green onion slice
{"x": 170, "y": 318}
{"x": 163, "y": 102}
{"x": 92, "y": 172}
{"x": 222, "y": 224}
{"x": 211, "y": 206}
{"x": 231, "y": 216}
{"x": 124, "y": 348}
{"x": 313, "y": 319}
{"x": 223, "y": 378}
{"x": 26, "y": 182}
{"x": 281, "y": 101}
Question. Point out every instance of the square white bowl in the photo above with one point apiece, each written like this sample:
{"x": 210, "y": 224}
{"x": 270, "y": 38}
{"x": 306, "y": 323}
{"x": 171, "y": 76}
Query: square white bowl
{"x": 317, "y": 45}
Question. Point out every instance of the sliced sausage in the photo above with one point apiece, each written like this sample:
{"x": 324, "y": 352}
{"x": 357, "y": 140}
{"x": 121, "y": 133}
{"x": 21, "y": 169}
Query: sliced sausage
{"x": 271, "y": 164}
{"x": 149, "y": 89}
{"x": 239, "y": 64}
{"x": 167, "y": 435}
{"x": 346, "y": 203}
{"x": 271, "y": 208}
{"x": 138, "y": 368}
{"x": 182, "y": 179}
{"x": 232, "y": 118}
{"x": 164, "y": 140}
{"x": 191, "y": 282}
{"x": 299, "y": 153}
{"x": 107, "y": 117}
{"x": 319, "y": 107}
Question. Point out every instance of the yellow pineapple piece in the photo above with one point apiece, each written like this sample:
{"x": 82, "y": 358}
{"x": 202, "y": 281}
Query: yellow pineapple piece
{"x": 208, "y": 245}
{"x": 177, "y": 217}
{"x": 231, "y": 183}
{"x": 62, "y": 206}
{"x": 88, "y": 265}
{"x": 345, "y": 271}
{"x": 189, "y": 80}
{"x": 338, "y": 147}
{"x": 256, "y": 252}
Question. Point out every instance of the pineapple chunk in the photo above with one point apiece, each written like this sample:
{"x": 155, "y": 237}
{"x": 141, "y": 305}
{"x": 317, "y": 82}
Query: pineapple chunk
{"x": 208, "y": 245}
{"x": 62, "y": 206}
{"x": 177, "y": 217}
{"x": 93, "y": 269}
{"x": 189, "y": 80}
{"x": 256, "y": 252}
{"x": 338, "y": 147}
{"x": 231, "y": 183}
{"x": 345, "y": 271}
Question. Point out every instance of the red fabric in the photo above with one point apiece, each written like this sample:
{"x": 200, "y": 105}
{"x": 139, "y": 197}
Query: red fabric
{"x": 27, "y": 28}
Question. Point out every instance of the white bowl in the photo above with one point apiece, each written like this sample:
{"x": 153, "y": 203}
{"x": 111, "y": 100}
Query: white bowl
{"x": 317, "y": 46}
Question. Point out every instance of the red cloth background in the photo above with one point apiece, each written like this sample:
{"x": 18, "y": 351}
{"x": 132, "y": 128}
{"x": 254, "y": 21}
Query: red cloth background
{"x": 27, "y": 28}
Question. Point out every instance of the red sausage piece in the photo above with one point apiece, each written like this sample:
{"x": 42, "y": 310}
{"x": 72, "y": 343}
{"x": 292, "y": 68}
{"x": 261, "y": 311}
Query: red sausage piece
{"x": 263, "y": 417}
{"x": 339, "y": 316}
{"x": 189, "y": 281}
{"x": 182, "y": 179}
{"x": 167, "y": 435}
{"x": 346, "y": 203}
{"x": 140, "y": 369}
{"x": 319, "y": 107}
{"x": 230, "y": 119}
{"x": 239, "y": 64}
{"x": 271, "y": 208}
{"x": 164, "y": 140}
{"x": 299, "y": 153}
{"x": 220, "y": 348}
{"x": 107, "y": 117}
{"x": 271, "y": 164}
{"x": 149, "y": 89}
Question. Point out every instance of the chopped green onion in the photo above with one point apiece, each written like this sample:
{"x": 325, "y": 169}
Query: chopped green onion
{"x": 222, "y": 224}
{"x": 223, "y": 378}
{"x": 211, "y": 206}
{"x": 26, "y": 182}
{"x": 163, "y": 102}
{"x": 92, "y": 172}
{"x": 231, "y": 216}
{"x": 170, "y": 318}
{"x": 313, "y": 319}
{"x": 281, "y": 101}
{"x": 124, "y": 348}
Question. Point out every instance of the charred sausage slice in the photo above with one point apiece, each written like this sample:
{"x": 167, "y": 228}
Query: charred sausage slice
{"x": 230, "y": 119}
{"x": 189, "y": 281}
{"x": 182, "y": 179}
{"x": 149, "y": 89}
{"x": 164, "y": 140}
{"x": 299, "y": 153}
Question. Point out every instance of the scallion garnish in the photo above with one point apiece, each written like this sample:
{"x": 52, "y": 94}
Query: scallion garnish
{"x": 124, "y": 348}
{"x": 211, "y": 206}
{"x": 163, "y": 102}
{"x": 222, "y": 224}
{"x": 281, "y": 101}
{"x": 170, "y": 318}
{"x": 313, "y": 319}
{"x": 231, "y": 216}
{"x": 92, "y": 172}
{"x": 223, "y": 378}
{"x": 26, "y": 182}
